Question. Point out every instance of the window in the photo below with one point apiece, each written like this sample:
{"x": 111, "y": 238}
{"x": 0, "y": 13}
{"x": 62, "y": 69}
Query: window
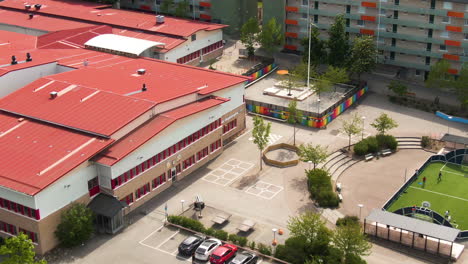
{"x": 158, "y": 181}
{"x": 304, "y": 15}
{"x": 466, "y": 36}
{"x": 361, "y": 9}
{"x": 445, "y": 19}
{"x": 93, "y": 186}
{"x": 215, "y": 145}
{"x": 444, "y": 34}
{"x": 229, "y": 126}
{"x": 360, "y": 23}
{"x": 128, "y": 199}
{"x": 305, "y": 2}
{"x": 417, "y": 73}
{"x": 383, "y": 12}
{"x": 194, "y": 37}
{"x": 8, "y": 228}
{"x": 466, "y": 22}
{"x": 447, "y": 5}
{"x": 142, "y": 191}
{"x": 443, "y": 47}
{"x": 19, "y": 208}
{"x": 382, "y": 26}
{"x": 31, "y": 235}
{"x": 201, "y": 8}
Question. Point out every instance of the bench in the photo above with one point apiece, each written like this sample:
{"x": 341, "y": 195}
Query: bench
{"x": 386, "y": 152}
{"x": 221, "y": 218}
{"x": 338, "y": 187}
{"x": 246, "y": 225}
{"x": 340, "y": 197}
{"x": 369, "y": 157}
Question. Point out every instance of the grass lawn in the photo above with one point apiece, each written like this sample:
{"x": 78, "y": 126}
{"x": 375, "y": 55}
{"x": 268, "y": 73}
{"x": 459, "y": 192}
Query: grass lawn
{"x": 449, "y": 194}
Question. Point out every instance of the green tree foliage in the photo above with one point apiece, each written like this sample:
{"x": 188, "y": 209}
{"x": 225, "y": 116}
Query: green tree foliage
{"x": 398, "y": 88}
{"x": 351, "y": 241}
{"x": 76, "y": 225}
{"x": 312, "y": 229}
{"x": 316, "y": 154}
{"x": 352, "y": 127}
{"x": 363, "y": 55}
{"x": 270, "y": 37}
{"x": 294, "y": 116}
{"x": 384, "y": 123}
{"x": 182, "y": 8}
{"x": 166, "y": 6}
{"x": 295, "y": 250}
{"x": 261, "y": 134}
{"x": 318, "y": 53}
{"x": 249, "y": 35}
{"x": 439, "y": 77}
{"x": 320, "y": 188}
{"x": 348, "y": 220}
{"x": 461, "y": 86}
{"x": 301, "y": 71}
{"x": 19, "y": 250}
{"x": 326, "y": 81}
{"x": 338, "y": 43}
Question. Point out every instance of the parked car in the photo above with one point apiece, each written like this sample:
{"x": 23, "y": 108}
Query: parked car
{"x": 223, "y": 253}
{"x": 245, "y": 257}
{"x": 190, "y": 244}
{"x": 204, "y": 251}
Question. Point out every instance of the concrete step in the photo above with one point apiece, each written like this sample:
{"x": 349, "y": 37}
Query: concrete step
{"x": 336, "y": 162}
{"x": 341, "y": 170}
{"x": 331, "y": 157}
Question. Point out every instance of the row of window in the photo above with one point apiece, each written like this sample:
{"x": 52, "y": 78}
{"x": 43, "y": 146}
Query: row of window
{"x": 31, "y": 235}
{"x": 215, "y": 145}
{"x": 19, "y": 208}
{"x": 164, "y": 154}
{"x": 212, "y": 47}
{"x": 202, "y": 153}
{"x": 230, "y": 126}
{"x": 145, "y": 189}
{"x": 190, "y": 57}
{"x": 8, "y": 228}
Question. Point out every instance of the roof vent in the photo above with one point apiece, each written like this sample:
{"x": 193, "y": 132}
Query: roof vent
{"x": 159, "y": 19}
{"x": 37, "y": 6}
{"x": 141, "y": 71}
{"x": 27, "y": 7}
{"x": 13, "y": 60}
{"x": 20, "y": 119}
{"x": 28, "y": 57}
{"x": 31, "y": 15}
{"x": 143, "y": 89}
{"x": 53, "y": 95}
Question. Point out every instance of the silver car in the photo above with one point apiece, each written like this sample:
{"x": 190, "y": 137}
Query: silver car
{"x": 204, "y": 251}
{"x": 245, "y": 257}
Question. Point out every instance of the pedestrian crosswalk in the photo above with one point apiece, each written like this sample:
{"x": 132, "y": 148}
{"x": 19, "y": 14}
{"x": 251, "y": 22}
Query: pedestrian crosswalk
{"x": 271, "y": 139}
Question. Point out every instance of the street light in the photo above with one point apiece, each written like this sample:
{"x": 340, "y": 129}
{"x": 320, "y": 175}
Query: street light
{"x": 360, "y": 208}
{"x": 318, "y": 106}
{"x": 448, "y": 124}
{"x": 274, "y": 236}
{"x": 310, "y": 162}
{"x": 363, "y": 120}
{"x": 182, "y": 203}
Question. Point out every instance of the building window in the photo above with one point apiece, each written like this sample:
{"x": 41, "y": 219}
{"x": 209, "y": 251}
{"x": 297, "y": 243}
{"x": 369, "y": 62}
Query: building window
{"x": 93, "y": 186}
{"x": 202, "y": 154}
{"x": 188, "y": 162}
{"x": 447, "y": 5}
{"x": 305, "y": 2}
{"x": 194, "y": 37}
{"x": 31, "y": 235}
{"x": 445, "y": 19}
{"x": 8, "y": 228}
{"x": 444, "y": 34}
{"x": 417, "y": 73}
{"x": 142, "y": 191}
{"x": 466, "y": 36}
{"x": 382, "y": 12}
{"x": 215, "y": 145}
{"x": 360, "y": 23}
{"x": 443, "y": 47}
{"x": 361, "y": 9}
{"x": 19, "y": 208}
{"x": 230, "y": 126}
{"x": 304, "y": 15}
{"x": 158, "y": 181}
{"x": 466, "y": 22}
{"x": 128, "y": 199}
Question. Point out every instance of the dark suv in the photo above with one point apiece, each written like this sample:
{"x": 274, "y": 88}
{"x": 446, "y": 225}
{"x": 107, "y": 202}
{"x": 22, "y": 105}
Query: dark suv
{"x": 190, "y": 244}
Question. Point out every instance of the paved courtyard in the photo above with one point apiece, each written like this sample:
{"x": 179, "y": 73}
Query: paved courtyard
{"x": 233, "y": 183}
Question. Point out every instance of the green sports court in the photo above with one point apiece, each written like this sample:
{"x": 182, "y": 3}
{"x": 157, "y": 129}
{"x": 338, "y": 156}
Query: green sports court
{"x": 451, "y": 193}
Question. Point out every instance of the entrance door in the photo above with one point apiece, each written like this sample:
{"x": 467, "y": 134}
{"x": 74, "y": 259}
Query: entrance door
{"x": 173, "y": 174}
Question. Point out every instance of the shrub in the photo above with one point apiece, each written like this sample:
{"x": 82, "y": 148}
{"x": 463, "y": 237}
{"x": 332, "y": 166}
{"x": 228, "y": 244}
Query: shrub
{"x": 347, "y": 220}
{"x": 264, "y": 249}
{"x": 328, "y": 198}
{"x": 321, "y": 189}
{"x": 372, "y": 144}
{"x": 387, "y": 141}
{"x": 210, "y": 232}
{"x": 361, "y": 148}
{"x": 186, "y": 222}
{"x": 242, "y": 241}
{"x": 425, "y": 142}
{"x": 233, "y": 238}
{"x": 76, "y": 225}
{"x": 221, "y": 234}
{"x": 252, "y": 245}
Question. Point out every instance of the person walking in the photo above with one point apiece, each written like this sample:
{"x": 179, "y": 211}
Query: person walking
{"x": 424, "y": 181}
{"x": 439, "y": 178}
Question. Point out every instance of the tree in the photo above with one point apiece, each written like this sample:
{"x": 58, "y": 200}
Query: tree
{"x": 398, "y": 88}
{"x": 302, "y": 73}
{"x": 363, "y": 55}
{"x": 316, "y": 154}
{"x": 249, "y": 35}
{"x": 461, "y": 86}
{"x": 318, "y": 53}
{"x": 384, "y": 123}
{"x": 19, "y": 249}
{"x": 439, "y": 76}
{"x": 166, "y": 6}
{"x": 311, "y": 227}
{"x": 261, "y": 134}
{"x": 182, "y": 8}
{"x": 336, "y": 75}
{"x": 76, "y": 225}
{"x": 270, "y": 37}
{"x": 294, "y": 116}
{"x": 338, "y": 43}
{"x": 352, "y": 127}
{"x": 351, "y": 241}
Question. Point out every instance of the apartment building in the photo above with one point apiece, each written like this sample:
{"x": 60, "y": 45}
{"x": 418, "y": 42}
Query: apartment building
{"x": 110, "y": 131}
{"x": 411, "y": 34}
{"x": 229, "y": 12}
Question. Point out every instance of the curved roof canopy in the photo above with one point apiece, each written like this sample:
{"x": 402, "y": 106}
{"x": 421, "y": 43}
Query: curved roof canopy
{"x": 122, "y": 44}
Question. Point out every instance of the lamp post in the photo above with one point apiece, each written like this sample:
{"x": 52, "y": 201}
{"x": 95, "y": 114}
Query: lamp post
{"x": 360, "y": 209}
{"x": 182, "y": 203}
{"x": 274, "y": 236}
{"x": 310, "y": 24}
{"x": 318, "y": 106}
{"x": 310, "y": 162}
{"x": 363, "y": 120}
{"x": 448, "y": 124}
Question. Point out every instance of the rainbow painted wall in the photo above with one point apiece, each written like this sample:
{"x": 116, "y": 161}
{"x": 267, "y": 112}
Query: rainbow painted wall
{"x": 310, "y": 120}
{"x": 254, "y": 76}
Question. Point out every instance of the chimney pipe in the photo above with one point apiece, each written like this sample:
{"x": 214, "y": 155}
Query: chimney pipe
{"x": 143, "y": 88}
{"x": 13, "y": 60}
{"x": 27, "y": 7}
{"x": 28, "y": 57}
{"x": 53, "y": 95}
{"x": 31, "y": 15}
{"x": 37, "y": 6}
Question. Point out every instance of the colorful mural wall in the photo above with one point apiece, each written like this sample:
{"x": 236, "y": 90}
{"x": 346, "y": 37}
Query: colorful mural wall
{"x": 260, "y": 73}
{"x": 311, "y": 121}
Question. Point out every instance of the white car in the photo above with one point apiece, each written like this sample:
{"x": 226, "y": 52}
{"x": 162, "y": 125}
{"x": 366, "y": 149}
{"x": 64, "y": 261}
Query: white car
{"x": 204, "y": 251}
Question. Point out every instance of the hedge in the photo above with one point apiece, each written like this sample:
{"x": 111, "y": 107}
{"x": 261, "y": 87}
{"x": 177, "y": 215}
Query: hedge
{"x": 264, "y": 249}
{"x": 186, "y": 222}
{"x": 425, "y": 142}
{"x": 374, "y": 144}
{"x": 321, "y": 189}
{"x": 361, "y": 148}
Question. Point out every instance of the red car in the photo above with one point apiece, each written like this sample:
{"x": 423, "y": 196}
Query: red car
{"x": 223, "y": 253}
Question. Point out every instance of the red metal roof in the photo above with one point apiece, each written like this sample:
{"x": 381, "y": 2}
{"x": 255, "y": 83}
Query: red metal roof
{"x": 139, "y": 136}
{"x": 72, "y": 38}
{"x": 76, "y": 106}
{"x": 95, "y": 13}
{"x": 35, "y": 155}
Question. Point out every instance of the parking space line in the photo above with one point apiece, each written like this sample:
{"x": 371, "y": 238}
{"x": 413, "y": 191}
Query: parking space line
{"x": 169, "y": 238}
{"x": 161, "y": 227}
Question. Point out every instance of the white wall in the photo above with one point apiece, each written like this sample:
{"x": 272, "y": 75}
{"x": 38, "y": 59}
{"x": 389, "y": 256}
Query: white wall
{"x": 204, "y": 38}
{"x": 235, "y": 93}
{"x": 17, "y": 197}
{"x": 105, "y": 175}
{"x": 163, "y": 107}
{"x": 15, "y": 80}
{"x": 58, "y": 195}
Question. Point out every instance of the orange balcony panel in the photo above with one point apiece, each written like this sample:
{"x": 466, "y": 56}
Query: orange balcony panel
{"x": 145, "y": 7}
{"x": 452, "y": 71}
{"x": 291, "y": 34}
{"x": 368, "y": 18}
{"x": 205, "y": 4}
{"x": 366, "y": 31}
{"x": 204, "y": 16}
{"x": 452, "y": 43}
{"x": 290, "y": 47}
{"x": 291, "y": 22}
{"x": 369, "y": 4}
{"x": 292, "y": 9}
{"x": 451, "y": 57}
{"x": 453, "y": 28}
{"x": 455, "y": 14}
